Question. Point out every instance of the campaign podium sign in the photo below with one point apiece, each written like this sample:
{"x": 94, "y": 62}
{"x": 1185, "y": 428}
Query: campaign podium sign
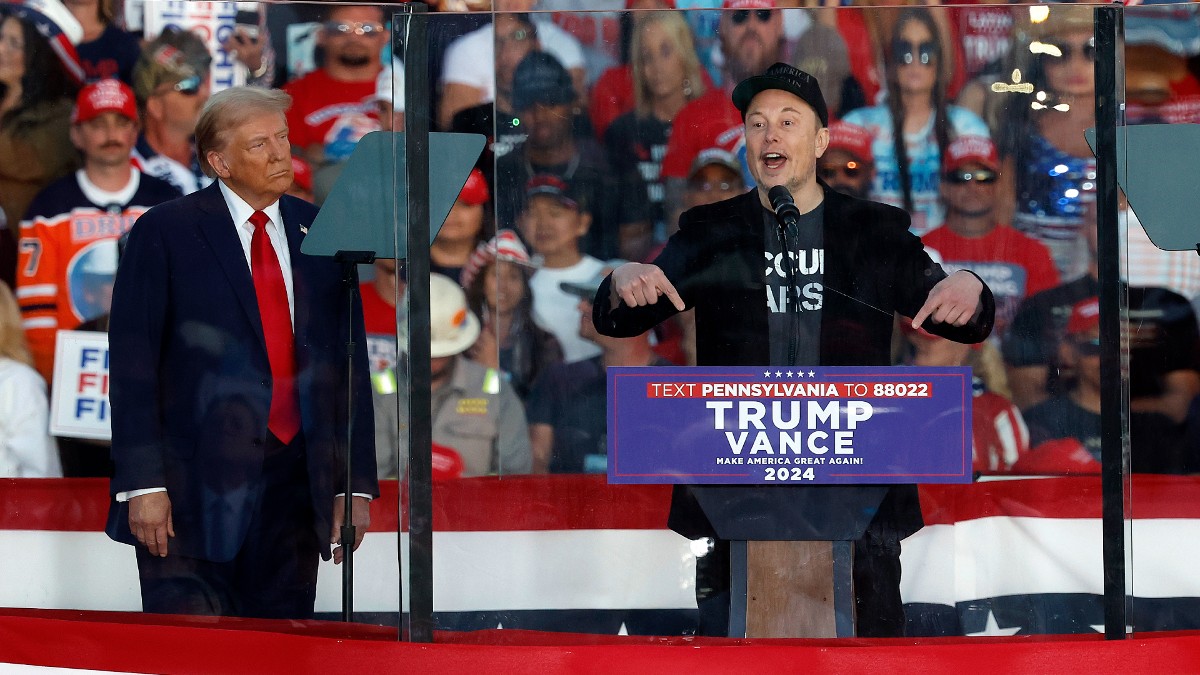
{"x": 790, "y": 465}
{"x": 846, "y": 425}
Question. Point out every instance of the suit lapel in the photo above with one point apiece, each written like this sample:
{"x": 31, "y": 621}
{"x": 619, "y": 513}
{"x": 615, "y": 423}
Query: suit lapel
{"x": 218, "y": 229}
{"x": 292, "y": 225}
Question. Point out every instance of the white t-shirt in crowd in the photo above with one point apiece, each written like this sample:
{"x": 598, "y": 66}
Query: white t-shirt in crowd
{"x": 27, "y": 450}
{"x": 471, "y": 59}
{"x": 557, "y": 311}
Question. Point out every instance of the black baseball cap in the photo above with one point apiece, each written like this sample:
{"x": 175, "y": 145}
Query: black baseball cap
{"x": 788, "y": 78}
{"x": 540, "y": 78}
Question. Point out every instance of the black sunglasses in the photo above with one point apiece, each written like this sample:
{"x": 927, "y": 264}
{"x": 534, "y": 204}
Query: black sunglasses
{"x": 849, "y": 170}
{"x": 907, "y": 53}
{"x": 1088, "y": 346}
{"x": 740, "y": 16}
{"x": 1087, "y": 50}
{"x": 981, "y": 176}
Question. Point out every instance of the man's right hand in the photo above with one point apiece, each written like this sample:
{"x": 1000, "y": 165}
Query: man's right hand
{"x": 150, "y": 521}
{"x": 639, "y": 284}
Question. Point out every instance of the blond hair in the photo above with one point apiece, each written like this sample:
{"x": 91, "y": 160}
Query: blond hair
{"x": 678, "y": 32}
{"x": 228, "y": 109}
{"x": 12, "y": 335}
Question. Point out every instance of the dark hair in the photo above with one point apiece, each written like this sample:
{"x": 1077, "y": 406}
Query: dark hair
{"x": 45, "y": 78}
{"x": 941, "y": 120}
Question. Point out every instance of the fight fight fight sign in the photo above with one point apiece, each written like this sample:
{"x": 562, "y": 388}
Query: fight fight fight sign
{"x": 818, "y": 425}
{"x": 79, "y": 400}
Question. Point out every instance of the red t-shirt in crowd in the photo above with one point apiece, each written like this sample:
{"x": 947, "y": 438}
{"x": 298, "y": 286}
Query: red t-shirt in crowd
{"x": 320, "y": 102}
{"x": 708, "y": 121}
{"x": 1013, "y": 265}
{"x": 379, "y": 318}
{"x": 612, "y": 96}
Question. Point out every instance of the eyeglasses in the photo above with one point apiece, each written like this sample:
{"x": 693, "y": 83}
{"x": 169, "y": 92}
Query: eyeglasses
{"x": 906, "y": 53}
{"x": 1087, "y": 51}
{"x": 721, "y": 186}
{"x": 189, "y": 86}
{"x": 1088, "y": 346}
{"x": 366, "y": 28}
{"x": 849, "y": 170}
{"x": 741, "y": 16}
{"x": 518, "y": 35}
{"x": 981, "y": 176}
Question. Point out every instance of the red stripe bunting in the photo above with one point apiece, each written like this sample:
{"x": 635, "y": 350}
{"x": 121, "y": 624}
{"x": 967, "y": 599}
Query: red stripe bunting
{"x": 567, "y": 502}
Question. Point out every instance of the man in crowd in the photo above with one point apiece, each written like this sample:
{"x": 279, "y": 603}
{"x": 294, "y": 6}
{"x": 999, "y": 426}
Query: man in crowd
{"x": 229, "y": 433}
{"x": 479, "y": 67}
{"x": 171, "y": 84}
{"x": 1014, "y": 265}
{"x": 68, "y": 247}
{"x": 334, "y": 105}
{"x": 475, "y": 416}
{"x": 1164, "y": 343}
{"x": 751, "y": 34}
{"x": 847, "y": 165}
{"x": 542, "y": 97}
{"x": 568, "y": 421}
{"x": 859, "y": 251}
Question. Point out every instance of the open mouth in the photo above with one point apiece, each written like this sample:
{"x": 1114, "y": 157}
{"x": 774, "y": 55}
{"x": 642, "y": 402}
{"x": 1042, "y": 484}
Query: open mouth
{"x": 773, "y": 160}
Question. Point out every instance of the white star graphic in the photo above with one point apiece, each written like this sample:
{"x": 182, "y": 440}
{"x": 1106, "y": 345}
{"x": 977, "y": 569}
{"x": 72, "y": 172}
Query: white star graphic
{"x": 790, "y": 373}
{"x": 992, "y": 628}
{"x": 767, "y": 374}
{"x": 779, "y": 373}
{"x": 812, "y": 373}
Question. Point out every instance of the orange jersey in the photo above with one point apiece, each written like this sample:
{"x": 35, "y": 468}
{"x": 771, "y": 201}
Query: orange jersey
{"x": 68, "y": 254}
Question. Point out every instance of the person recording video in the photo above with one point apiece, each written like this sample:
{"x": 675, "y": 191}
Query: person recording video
{"x": 835, "y": 271}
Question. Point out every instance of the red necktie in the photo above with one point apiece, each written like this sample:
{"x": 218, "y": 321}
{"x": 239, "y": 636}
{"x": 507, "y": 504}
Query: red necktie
{"x": 284, "y": 418}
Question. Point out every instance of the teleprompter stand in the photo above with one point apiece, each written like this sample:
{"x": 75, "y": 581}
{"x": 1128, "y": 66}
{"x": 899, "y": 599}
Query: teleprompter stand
{"x": 791, "y": 555}
{"x": 365, "y": 217}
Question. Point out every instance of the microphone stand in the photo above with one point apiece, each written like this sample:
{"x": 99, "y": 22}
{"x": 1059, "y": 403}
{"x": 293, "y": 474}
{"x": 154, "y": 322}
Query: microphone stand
{"x": 349, "y": 260}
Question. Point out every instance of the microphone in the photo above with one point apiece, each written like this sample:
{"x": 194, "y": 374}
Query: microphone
{"x": 784, "y": 207}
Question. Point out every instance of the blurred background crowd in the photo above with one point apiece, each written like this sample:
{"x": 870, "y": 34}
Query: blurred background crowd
{"x": 603, "y": 126}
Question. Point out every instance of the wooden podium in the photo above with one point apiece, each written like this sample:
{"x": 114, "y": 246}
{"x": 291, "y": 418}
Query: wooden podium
{"x": 791, "y": 555}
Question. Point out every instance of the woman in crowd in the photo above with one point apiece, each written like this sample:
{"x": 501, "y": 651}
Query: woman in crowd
{"x": 497, "y": 284}
{"x": 463, "y": 229}
{"x": 915, "y": 125}
{"x": 36, "y": 95}
{"x": 1047, "y": 167}
{"x": 106, "y": 51}
{"x": 666, "y": 75}
{"x": 26, "y": 448}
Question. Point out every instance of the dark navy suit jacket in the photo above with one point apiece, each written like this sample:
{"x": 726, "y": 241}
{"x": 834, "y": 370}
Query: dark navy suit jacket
{"x": 191, "y": 383}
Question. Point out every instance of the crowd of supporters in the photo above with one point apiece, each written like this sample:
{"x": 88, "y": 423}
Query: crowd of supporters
{"x": 603, "y": 127}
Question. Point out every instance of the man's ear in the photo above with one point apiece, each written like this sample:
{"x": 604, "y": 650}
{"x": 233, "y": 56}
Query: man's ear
{"x": 822, "y": 140}
{"x": 585, "y": 223}
{"x": 217, "y": 162}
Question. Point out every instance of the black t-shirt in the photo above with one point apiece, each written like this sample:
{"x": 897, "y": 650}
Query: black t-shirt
{"x": 1156, "y": 444}
{"x": 806, "y": 257}
{"x": 1164, "y": 336}
{"x": 573, "y": 399}
{"x": 636, "y": 146}
{"x": 112, "y": 55}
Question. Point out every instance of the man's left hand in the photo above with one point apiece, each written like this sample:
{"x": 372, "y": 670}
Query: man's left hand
{"x": 360, "y": 511}
{"x": 953, "y": 300}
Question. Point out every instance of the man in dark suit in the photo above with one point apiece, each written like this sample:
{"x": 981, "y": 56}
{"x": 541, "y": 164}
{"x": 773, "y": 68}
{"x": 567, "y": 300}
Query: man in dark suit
{"x": 833, "y": 284}
{"x": 228, "y": 384}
